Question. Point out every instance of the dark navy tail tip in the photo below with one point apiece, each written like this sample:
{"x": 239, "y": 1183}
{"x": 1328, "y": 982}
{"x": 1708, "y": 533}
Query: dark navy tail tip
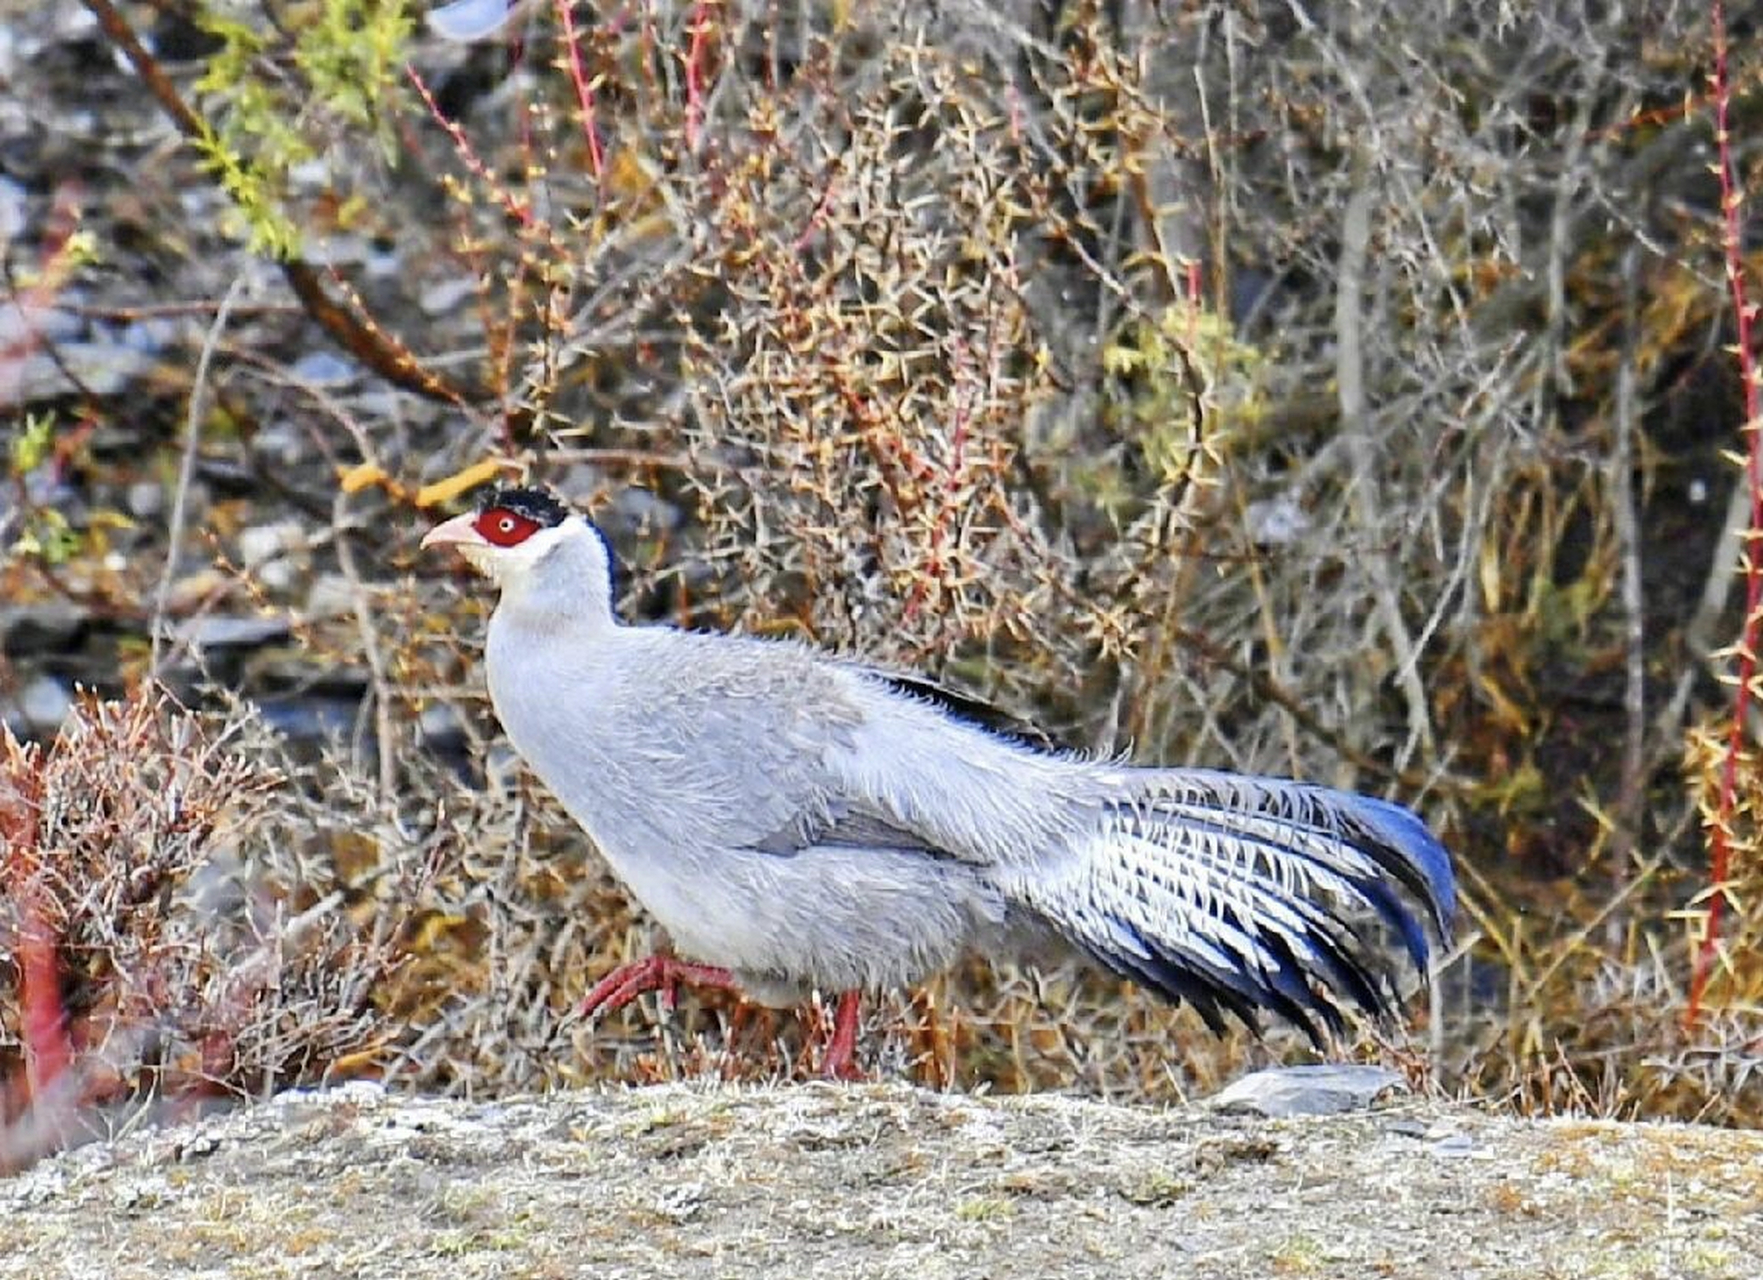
{"x": 1409, "y": 835}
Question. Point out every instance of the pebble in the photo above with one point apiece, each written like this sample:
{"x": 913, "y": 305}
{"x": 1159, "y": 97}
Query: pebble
{"x": 43, "y": 704}
{"x": 100, "y": 369}
{"x": 325, "y": 369}
{"x": 644, "y": 512}
{"x": 1456, "y": 1146}
{"x": 331, "y": 595}
{"x": 28, "y": 327}
{"x": 271, "y": 552}
{"x": 312, "y": 719}
{"x": 145, "y": 499}
{"x": 439, "y": 723}
{"x": 1278, "y": 522}
{"x": 14, "y": 202}
{"x": 278, "y": 445}
{"x": 447, "y": 296}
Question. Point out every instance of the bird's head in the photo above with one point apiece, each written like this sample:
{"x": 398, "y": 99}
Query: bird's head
{"x": 525, "y": 540}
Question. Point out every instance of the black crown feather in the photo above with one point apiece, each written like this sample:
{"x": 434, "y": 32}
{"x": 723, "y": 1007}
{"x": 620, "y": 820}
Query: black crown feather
{"x": 534, "y": 502}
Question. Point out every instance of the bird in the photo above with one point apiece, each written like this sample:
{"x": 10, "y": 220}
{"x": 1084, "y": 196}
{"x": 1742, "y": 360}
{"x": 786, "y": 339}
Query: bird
{"x": 801, "y": 822}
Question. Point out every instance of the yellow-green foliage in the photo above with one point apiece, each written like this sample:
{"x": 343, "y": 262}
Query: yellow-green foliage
{"x": 45, "y": 533}
{"x": 351, "y": 57}
{"x": 259, "y": 127}
{"x": 1158, "y": 368}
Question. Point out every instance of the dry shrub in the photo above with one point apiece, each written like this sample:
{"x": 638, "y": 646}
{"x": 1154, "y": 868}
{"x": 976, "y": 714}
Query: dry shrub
{"x": 144, "y": 962}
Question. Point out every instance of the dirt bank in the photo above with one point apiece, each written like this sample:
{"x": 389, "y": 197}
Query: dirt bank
{"x": 882, "y": 1181}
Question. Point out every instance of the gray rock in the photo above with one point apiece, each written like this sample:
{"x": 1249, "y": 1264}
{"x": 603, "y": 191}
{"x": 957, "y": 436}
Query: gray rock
{"x": 440, "y": 723}
{"x": 14, "y": 206}
{"x": 40, "y": 628}
{"x": 331, "y": 595}
{"x": 1325, "y": 1089}
{"x": 230, "y": 631}
{"x": 264, "y": 542}
{"x": 274, "y": 552}
{"x": 23, "y": 329}
{"x": 1455, "y": 1146}
{"x": 325, "y": 369}
{"x": 705, "y": 1180}
{"x": 279, "y": 444}
{"x": 448, "y": 296}
{"x": 643, "y": 511}
{"x": 44, "y": 703}
{"x": 145, "y": 499}
{"x": 102, "y": 369}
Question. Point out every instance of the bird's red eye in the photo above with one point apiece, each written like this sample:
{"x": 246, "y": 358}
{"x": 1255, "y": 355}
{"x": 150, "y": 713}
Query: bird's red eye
{"x": 505, "y": 528}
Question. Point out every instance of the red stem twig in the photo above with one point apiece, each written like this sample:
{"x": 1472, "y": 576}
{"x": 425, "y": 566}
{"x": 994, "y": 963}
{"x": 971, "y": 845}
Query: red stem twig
{"x": 1750, "y": 559}
{"x": 695, "y": 76}
{"x": 584, "y": 89}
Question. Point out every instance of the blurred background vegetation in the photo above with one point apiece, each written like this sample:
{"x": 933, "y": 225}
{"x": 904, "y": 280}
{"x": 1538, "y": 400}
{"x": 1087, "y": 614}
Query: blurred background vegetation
{"x": 1341, "y": 391}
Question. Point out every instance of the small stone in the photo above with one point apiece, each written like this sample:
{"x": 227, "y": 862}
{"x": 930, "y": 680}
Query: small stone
{"x": 273, "y": 552}
{"x": 264, "y": 542}
{"x": 439, "y": 723}
{"x": 24, "y": 328}
{"x": 325, "y": 369}
{"x": 145, "y": 499}
{"x": 448, "y": 296}
{"x": 278, "y": 445}
{"x": 149, "y": 336}
{"x": 312, "y": 719}
{"x": 1278, "y": 522}
{"x": 198, "y": 590}
{"x": 44, "y": 703}
{"x": 14, "y": 202}
{"x": 331, "y": 595}
{"x": 98, "y": 369}
{"x": 1455, "y": 1147}
{"x": 644, "y": 512}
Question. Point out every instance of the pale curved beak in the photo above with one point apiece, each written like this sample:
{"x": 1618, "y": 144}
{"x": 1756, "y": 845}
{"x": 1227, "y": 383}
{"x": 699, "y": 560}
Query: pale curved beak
{"x": 455, "y": 532}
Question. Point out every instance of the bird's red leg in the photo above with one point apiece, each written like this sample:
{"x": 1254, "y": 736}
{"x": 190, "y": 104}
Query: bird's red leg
{"x": 841, "y": 1050}
{"x": 657, "y": 973}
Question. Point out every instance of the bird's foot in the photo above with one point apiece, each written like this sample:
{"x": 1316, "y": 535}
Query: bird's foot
{"x": 657, "y": 973}
{"x": 839, "y": 1062}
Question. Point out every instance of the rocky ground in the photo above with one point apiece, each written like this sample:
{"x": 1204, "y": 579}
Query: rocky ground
{"x": 882, "y": 1181}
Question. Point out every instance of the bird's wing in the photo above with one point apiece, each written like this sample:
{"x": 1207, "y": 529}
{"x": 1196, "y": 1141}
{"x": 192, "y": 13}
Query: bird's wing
{"x": 845, "y": 826}
{"x": 965, "y": 708}
{"x": 751, "y": 745}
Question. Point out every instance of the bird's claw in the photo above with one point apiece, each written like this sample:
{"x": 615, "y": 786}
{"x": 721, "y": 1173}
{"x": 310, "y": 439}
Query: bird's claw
{"x": 656, "y": 973}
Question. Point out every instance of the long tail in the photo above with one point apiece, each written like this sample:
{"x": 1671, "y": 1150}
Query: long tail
{"x": 1239, "y": 894}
